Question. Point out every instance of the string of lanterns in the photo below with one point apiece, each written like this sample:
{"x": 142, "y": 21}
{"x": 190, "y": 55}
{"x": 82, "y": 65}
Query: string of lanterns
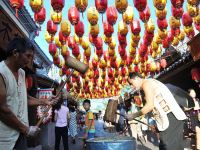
{"x": 108, "y": 69}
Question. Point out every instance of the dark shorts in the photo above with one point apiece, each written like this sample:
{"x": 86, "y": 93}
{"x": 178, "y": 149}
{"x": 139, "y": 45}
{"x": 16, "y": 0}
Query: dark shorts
{"x": 21, "y": 143}
{"x": 172, "y": 137}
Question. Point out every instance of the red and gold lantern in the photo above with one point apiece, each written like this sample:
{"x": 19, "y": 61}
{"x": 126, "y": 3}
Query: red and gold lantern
{"x": 65, "y": 28}
{"x": 79, "y": 29}
{"x": 101, "y": 5}
{"x": 161, "y": 14}
{"x": 162, "y": 24}
{"x": 186, "y": 19}
{"x": 36, "y": 5}
{"x": 56, "y": 17}
{"x": 108, "y": 29}
{"x": 111, "y": 14}
{"x": 92, "y": 15}
{"x": 135, "y": 27}
{"x": 177, "y": 3}
{"x": 73, "y": 15}
{"x": 140, "y": 4}
{"x": 145, "y": 15}
{"x": 177, "y": 12}
{"x": 17, "y": 4}
{"x": 81, "y": 5}
{"x": 40, "y": 16}
{"x": 57, "y": 5}
{"x": 160, "y": 4}
{"x": 121, "y": 5}
{"x": 128, "y": 15}
{"x": 51, "y": 27}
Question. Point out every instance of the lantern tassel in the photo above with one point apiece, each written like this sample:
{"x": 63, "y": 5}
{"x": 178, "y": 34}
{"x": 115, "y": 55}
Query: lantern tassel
{"x": 16, "y": 13}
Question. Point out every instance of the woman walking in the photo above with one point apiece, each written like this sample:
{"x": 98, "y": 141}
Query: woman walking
{"x": 73, "y": 123}
{"x": 61, "y": 119}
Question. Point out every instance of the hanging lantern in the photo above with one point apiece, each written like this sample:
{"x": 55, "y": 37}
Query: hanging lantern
{"x": 51, "y": 27}
{"x": 79, "y": 29}
{"x": 193, "y": 2}
{"x": 62, "y": 38}
{"x": 108, "y": 29}
{"x": 56, "y": 17}
{"x": 87, "y": 52}
{"x": 181, "y": 36}
{"x": 94, "y": 30}
{"x": 122, "y": 28}
{"x": 158, "y": 40}
{"x": 73, "y": 15}
{"x": 135, "y": 38}
{"x": 128, "y": 15}
{"x": 92, "y": 15}
{"x": 52, "y": 49}
{"x": 177, "y": 12}
{"x": 145, "y": 15}
{"x": 48, "y": 37}
{"x": 64, "y": 51}
{"x": 101, "y": 5}
{"x": 192, "y": 10}
{"x": 162, "y": 24}
{"x": 135, "y": 27}
{"x": 57, "y": 42}
{"x": 186, "y": 19}
{"x": 162, "y": 33}
{"x": 57, "y": 5}
{"x": 98, "y": 43}
{"x": 175, "y": 41}
{"x": 160, "y": 4}
{"x": 111, "y": 14}
{"x": 174, "y": 23}
{"x": 122, "y": 40}
{"x": 140, "y": 4}
{"x": 36, "y": 5}
{"x": 121, "y": 5}
{"x": 161, "y": 14}
{"x": 81, "y": 5}
{"x": 99, "y": 52}
{"x": 149, "y": 26}
{"x": 17, "y": 4}
{"x": 65, "y": 28}
{"x": 40, "y": 16}
{"x": 177, "y": 3}
{"x": 85, "y": 42}
{"x": 71, "y": 42}
{"x": 112, "y": 44}
{"x": 75, "y": 50}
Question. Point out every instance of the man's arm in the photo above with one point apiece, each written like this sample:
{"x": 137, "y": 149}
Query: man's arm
{"x": 6, "y": 115}
{"x": 36, "y": 102}
{"x": 149, "y": 97}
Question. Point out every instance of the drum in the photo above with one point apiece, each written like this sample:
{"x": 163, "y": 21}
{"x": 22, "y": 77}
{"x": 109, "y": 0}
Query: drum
{"x": 111, "y": 109}
{"x": 111, "y": 143}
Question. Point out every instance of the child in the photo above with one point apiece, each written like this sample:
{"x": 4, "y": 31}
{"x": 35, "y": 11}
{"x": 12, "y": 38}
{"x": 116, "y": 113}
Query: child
{"x": 89, "y": 120}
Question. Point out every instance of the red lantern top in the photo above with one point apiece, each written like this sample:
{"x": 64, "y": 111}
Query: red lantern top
{"x": 135, "y": 27}
{"x": 108, "y": 29}
{"x": 40, "y": 16}
{"x": 51, "y": 27}
{"x": 57, "y": 5}
{"x": 140, "y": 4}
{"x": 144, "y": 15}
{"x": 101, "y": 5}
{"x": 111, "y": 14}
{"x": 73, "y": 15}
{"x": 79, "y": 29}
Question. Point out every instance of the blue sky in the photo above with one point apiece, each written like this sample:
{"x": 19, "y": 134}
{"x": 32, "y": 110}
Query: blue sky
{"x": 44, "y": 45}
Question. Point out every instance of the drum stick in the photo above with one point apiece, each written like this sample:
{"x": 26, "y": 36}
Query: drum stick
{"x": 136, "y": 120}
{"x": 60, "y": 87}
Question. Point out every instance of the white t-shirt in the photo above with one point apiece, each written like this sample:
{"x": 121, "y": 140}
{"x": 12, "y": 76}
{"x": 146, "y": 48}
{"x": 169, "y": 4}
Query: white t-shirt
{"x": 62, "y": 116}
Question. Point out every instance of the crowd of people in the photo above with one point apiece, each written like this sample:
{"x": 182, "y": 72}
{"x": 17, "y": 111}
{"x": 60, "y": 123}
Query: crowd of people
{"x": 171, "y": 116}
